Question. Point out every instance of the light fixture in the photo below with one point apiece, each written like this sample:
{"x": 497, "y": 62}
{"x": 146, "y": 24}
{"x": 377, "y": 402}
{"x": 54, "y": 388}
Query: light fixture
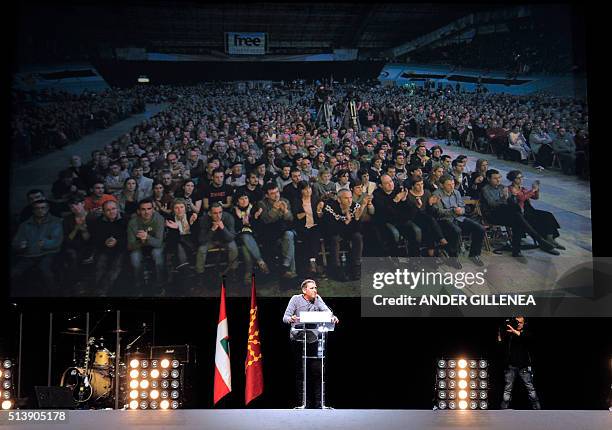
{"x": 145, "y": 389}
{"x": 461, "y": 383}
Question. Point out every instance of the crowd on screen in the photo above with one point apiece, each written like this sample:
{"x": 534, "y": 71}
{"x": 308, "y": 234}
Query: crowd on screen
{"x": 262, "y": 180}
{"x": 49, "y": 120}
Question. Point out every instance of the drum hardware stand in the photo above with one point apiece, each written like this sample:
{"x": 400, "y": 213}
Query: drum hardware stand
{"x": 117, "y": 361}
{"x": 50, "y": 349}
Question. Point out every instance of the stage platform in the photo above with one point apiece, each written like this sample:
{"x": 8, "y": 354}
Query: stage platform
{"x": 349, "y": 419}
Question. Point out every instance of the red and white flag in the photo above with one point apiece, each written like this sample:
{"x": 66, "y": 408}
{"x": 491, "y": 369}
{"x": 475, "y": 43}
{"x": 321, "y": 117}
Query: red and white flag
{"x": 223, "y": 372}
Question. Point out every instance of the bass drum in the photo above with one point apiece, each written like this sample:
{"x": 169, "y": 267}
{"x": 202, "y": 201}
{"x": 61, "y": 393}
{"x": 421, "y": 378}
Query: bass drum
{"x": 103, "y": 359}
{"x": 97, "y": 382}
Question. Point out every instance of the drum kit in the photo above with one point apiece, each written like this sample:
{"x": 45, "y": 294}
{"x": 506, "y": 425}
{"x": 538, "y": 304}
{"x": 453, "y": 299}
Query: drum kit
{"x": 92, "y": 377}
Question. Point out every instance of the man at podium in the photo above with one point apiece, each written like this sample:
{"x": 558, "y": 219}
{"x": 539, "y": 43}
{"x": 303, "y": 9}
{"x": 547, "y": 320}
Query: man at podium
{"x": 308, "y": 336}
{"x": 308, "y": 301}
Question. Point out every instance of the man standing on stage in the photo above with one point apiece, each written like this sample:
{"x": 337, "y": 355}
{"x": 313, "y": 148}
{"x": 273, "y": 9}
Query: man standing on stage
{"x": 308, "y": 301}
{"x": 516, "y": 343}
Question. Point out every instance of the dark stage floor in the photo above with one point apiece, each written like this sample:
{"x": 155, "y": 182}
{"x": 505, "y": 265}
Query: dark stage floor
{"x": 272, "y": 419}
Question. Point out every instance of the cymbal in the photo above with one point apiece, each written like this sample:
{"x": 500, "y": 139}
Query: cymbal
{"x": 119, "y": 331}
{"x": 72, "y": 333}
{"x": 74, "y": 329}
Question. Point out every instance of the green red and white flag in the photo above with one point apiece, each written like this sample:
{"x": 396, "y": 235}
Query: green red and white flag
{"x": 253, "y": 366}
{"x": 223, "y": 373}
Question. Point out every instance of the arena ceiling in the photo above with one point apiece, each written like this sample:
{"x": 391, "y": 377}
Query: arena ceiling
{"x": 194, "y": 28}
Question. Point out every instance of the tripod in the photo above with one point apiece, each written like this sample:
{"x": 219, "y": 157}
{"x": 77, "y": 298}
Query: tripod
{"x": 324, "y": 115}
{"x": 350, "y": 119}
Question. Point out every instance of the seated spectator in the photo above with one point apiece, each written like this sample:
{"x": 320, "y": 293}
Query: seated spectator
{"x": 195, "y": 165}
{"x": 498, "y": 137}
{"x": 343, "y": 181}
{"x": 541, "y": 145}
{"x": 291, "y": 191}
{"x": 218, "y": 191}
{"x": 341, "y": 221}
{"x": 478, "y": 178}
{"x": 436, "y": 158}
{"x": 447, "y": 164}
{"x": 364, "y": 179}
{"x": 182, "y": 231}
{"x": 284, "y": 176}
{"x": 308, "y": 172}
{"x": 162, "y": 200}
{"x": 277, "y": 227}
{"x": 77, "y": 246}
{"x": 217, "y": 230}
{"x": 565, "y": 148}
{"x": 420, "y": 204}
{"x": 461, "y": 179}
{"x": 251, "y": 189}
{"x": 324, "y": 188}
{"x": 64, "y": 189}
{"x": 144, "y": 185}
{"x": 193, "y": 202}
{"x": 306, "y": 222}
{"x": 37, "y": 242}
{"x": 36, "y": 195}
{"x": 376, "y": 169}
{"x": 365, "y": 200}
{"x": 419, "y": 158}
{"x": 171, "y": 185}
{"x": 543, "y": 222}
{"x": 115, "y": 179}
{"x": 246, "y": 215}
{"x": 236, "y": 178}
{"x": 450, "y": 213}
{"x": 390, "y": 217}
{"x": 499, "y": 208}
{"x": 93, "y": 203}
{"x": 433, "y": 181}
{"x": 128, "y": 199}
{"x": 518, "y": 143}
{"x": 146, "y": 233}
{"x": 109, "y": 240}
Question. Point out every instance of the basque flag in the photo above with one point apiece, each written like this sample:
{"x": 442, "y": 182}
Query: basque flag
{"x": 223, "y": 373}
{"x": 253, "y": 367}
